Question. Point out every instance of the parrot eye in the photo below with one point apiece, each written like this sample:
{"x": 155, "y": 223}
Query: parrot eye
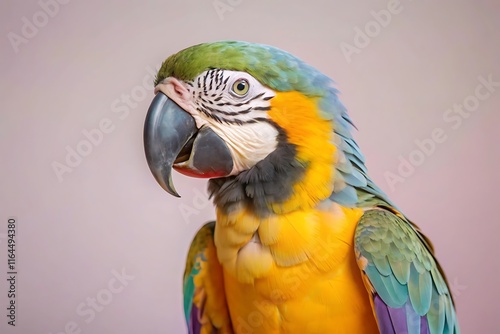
{"x": 240, "y": 87}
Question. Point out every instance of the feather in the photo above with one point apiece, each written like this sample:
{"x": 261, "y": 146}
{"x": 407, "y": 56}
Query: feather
{"x": 194, "y": 325}
{"x": 393, "y": 293}
{"x": 382, "y": 265}
{"x": 401, "y": 270}
{"x": 437, "y": 314}
{"x": 420, "y": 291}
{"x": 354, "y": 178}
{"x": 398, "y": 317}
{"x": 343, "y": 164}
{"x": 346, "y": 196}
{"x": 412, "y": 319}
{"x": 383, "y": 316}
{"x": 424, "y": 325}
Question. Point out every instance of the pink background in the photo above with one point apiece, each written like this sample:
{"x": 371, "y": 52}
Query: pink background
{"x": 109, "y": 214}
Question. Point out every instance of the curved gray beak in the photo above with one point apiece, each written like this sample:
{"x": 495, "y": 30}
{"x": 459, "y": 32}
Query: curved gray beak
{"x": 171, "y": 139}
{"x": 167, "y": 130}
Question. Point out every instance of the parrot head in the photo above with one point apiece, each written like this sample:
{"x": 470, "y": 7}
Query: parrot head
{"x": 263, "y": 125}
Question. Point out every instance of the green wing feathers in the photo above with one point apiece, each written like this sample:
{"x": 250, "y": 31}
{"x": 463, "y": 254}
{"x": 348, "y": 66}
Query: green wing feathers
{"x": 406, "y": 284}
{"x": 205, "y": 306}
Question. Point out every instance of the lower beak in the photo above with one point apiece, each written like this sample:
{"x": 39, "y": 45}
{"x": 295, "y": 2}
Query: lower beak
{"x": 171, "y": 139}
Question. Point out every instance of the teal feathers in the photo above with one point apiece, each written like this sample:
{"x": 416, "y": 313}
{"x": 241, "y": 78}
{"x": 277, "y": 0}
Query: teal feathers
{"x": 402, "y": 271}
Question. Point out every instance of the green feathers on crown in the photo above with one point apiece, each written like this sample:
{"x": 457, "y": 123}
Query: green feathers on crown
{"x": 273, "y": 67}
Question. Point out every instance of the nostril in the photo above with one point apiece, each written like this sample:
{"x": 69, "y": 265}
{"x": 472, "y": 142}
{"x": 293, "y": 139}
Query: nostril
{"x": 175, "y": 89}
{"x": 179, "y": 90}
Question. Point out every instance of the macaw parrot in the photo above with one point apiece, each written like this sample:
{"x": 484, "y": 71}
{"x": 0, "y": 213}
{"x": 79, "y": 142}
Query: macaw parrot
{"x": 304, "y": 241}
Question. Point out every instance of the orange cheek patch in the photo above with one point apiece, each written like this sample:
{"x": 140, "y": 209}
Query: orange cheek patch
{"x": 300, "y": 117}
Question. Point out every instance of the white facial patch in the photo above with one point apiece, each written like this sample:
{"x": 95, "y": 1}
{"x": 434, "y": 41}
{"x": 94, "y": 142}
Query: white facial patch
{"x": 240, "y": 120}
{"x": 248, "y": 143}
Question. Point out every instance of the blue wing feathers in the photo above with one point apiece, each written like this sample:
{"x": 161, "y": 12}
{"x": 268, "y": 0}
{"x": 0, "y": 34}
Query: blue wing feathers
{"x": 410, "y": 294}
{"x": 196, "y": 257}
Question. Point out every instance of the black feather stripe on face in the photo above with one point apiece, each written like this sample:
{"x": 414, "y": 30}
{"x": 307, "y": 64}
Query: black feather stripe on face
{"x": 209, "y": 89}
{"x": 270, "y": 181}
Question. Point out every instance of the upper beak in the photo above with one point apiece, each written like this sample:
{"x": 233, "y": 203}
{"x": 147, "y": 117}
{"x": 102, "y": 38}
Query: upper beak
{"x": 171, "y": 139}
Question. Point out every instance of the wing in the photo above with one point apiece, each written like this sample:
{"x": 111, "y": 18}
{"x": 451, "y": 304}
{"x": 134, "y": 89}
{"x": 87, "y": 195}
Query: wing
{"x": 408, "y": 291}
{"x": 205, "y": 305}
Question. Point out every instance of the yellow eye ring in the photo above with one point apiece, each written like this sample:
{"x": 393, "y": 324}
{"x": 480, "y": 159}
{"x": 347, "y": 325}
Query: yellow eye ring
{"x": 240, "y": 87}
